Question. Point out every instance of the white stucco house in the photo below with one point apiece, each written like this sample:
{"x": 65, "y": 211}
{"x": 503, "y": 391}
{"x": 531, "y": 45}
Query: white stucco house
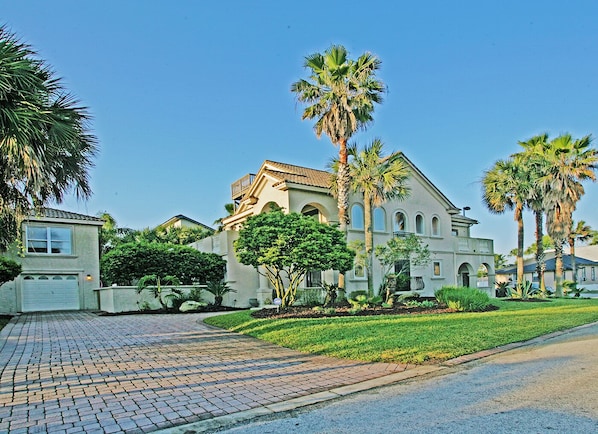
{"x": 60, "y": 264}
{"x": 456, "y": 257}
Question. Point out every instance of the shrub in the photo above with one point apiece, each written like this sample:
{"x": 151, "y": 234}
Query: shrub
{"x": 9, "y": 269}
{"x": 353, "y": 294}
{"x": 310, "y": 297}
{"x": 129, "y": 262}
{"x": 463, "y": 299}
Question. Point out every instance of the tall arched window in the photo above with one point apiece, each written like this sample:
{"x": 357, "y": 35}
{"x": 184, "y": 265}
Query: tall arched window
{"x": 419, "y": 224}
{"x": 400, "y": 222}
{"x": 379, "y": 220}
{"x": 357, "y": 217}
{"x": 435, "y": 226}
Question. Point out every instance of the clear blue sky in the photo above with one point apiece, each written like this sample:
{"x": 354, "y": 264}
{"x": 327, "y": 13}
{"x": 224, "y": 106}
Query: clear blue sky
{"x": 188, "y": 96}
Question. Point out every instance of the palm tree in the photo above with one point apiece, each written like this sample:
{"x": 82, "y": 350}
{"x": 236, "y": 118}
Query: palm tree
{"x": 340, "y": 94}
{"x": 507, "y": 186}
{"x": 379, "y": 178}
{"x": 46, "y": 147}
{"x": 568, "y": 162}
{"x": 581, "y": 232}
{"x": 535, "y": 200}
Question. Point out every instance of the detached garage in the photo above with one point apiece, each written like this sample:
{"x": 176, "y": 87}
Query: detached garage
{"x": 60, "y": 258}
{"x": 50, "y": 292}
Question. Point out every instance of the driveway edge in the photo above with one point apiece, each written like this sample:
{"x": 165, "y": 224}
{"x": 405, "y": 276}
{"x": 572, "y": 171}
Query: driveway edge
{"x": 210, "y": 425}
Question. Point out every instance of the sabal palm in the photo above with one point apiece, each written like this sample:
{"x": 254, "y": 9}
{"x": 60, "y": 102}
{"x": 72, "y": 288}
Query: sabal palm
{"x": 581, "y": 232}
{"x": 379, "y": 178}
{"x": 568, "y": 163}
{"x": 535, "y": 166}
{"x": 507, "y": 185}
{"x": 46, "y": 147}
{"x": 340, "y": 94}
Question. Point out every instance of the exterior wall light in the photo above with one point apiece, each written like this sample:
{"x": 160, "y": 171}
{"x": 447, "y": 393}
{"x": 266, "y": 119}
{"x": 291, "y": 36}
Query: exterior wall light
{"x": 88, "y": 278}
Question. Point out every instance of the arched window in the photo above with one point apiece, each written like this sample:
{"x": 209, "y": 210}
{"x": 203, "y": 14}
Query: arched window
{"x": 379, "y": 220}
{"x": 419, "y": 224}
{"x": 357, "y": 217}
{"x": 435, "y": 226}
{"x": 400, "y": 222}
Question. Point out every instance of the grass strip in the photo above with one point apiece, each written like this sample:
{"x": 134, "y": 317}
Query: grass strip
{"x": 415, "y": 338}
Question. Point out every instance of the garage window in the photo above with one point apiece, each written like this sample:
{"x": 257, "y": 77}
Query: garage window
{"x": 49, "y": 240}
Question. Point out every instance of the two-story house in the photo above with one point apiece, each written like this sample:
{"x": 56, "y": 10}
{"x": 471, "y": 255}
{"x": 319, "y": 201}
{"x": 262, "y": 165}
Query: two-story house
{"x": 60, "y": 264}
{"x": 456, "y": 257}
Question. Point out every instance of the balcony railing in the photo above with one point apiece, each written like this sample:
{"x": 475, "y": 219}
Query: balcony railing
{"x": 474, "y": 245}
{"x": 238, "y": 187}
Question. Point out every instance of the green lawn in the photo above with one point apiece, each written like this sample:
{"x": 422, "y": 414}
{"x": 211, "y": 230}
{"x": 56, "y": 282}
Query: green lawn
{"x": 416, "y": 338}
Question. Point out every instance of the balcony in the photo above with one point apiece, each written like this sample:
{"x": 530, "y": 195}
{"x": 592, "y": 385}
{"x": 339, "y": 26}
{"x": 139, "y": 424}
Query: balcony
{"x": 479, "y": 246}
{"x": 239, "y": 187}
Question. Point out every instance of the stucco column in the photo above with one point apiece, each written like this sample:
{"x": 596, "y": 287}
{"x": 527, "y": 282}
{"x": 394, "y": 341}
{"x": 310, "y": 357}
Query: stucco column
{"x": 264, "y": 291}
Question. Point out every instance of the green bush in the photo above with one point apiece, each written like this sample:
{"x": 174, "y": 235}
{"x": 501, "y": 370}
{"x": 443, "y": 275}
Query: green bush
{"x": 463, "y": 299}
{"x": 129, "y": 262}
{"x": 353, "y": 294}
{"x": 9, "y": 269}
{"x": 310, "y": 297}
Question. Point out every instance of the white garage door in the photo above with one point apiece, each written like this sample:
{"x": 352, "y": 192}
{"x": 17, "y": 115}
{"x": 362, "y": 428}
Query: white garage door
{"x": 50, "y": 292}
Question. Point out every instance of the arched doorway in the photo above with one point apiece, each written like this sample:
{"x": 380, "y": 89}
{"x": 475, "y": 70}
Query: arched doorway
{"x": 464, "y": 274}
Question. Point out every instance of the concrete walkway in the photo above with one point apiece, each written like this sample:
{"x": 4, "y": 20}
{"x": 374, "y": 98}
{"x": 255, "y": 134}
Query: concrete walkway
{"x": 79, "y": 372}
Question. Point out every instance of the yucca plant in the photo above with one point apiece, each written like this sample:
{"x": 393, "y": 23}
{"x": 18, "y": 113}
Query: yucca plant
{"x": 154, "y": 283}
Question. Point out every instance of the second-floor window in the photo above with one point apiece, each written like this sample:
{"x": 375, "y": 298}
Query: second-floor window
{"x": 357, "y": 217}
{"x": 49, "y": 240}
{"x": 435, "y": 226}
{"x": 400, "y": 222}
{"x": 419, "y": 224}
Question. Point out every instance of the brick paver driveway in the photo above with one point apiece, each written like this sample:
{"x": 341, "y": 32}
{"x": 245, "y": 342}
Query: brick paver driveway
{"x": 80, "y": 372}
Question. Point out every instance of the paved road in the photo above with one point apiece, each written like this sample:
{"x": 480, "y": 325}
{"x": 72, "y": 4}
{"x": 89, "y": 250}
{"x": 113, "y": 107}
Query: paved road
{"x": 547, "y": 387}
{"x": 79, "y": 372}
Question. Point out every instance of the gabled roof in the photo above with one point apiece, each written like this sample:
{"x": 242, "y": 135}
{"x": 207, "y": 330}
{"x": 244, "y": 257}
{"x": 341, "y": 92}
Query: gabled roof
{"x": 57, "y": 214}
{"x": 550, "y": 265}
{"x": 283, "y": 173}
{"x": 178, "y": 217}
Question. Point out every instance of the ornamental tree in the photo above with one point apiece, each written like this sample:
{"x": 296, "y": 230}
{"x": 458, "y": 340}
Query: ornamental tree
{"x": 284, "y": 247}
{"x": 403, "y": 251}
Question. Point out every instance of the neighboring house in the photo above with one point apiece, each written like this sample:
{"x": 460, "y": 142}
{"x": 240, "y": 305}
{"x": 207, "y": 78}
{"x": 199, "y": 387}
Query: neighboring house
{"x": 181, "y": 221}
{"x": 456, "y": 257}
{"x": 586, "y": 262}
{"x": 60, "y": 261}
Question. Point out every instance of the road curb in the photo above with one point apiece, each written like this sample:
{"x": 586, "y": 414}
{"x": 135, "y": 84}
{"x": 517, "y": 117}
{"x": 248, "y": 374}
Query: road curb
{"x": 216, "y": 423}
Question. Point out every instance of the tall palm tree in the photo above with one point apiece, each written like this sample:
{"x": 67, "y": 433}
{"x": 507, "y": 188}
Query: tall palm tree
{"x": 581, "y": 232}
{"x": 379, "y": 178}
{"x": 46, "y": 148}
{"x": 529, "y": 158}
{"x": 507, "y": 185}
{"x": 340, "y": 94}
{"x": 568, "y": 163}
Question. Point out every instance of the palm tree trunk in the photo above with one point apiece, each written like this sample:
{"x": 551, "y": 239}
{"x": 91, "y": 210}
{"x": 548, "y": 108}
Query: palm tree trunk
{"x": 540, "y": 265}
{"x": 519, "y": 219}
{"x": 573, "y": 261}
{"x": 369, "y": 240}
{"x": 558, "y": 267}
{"x": 343, "y": 182}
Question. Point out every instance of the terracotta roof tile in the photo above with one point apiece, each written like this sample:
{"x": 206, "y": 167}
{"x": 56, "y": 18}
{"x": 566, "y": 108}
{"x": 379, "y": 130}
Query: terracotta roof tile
{"x": 59, "y": 214}
{"x": 297, "y": 174}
